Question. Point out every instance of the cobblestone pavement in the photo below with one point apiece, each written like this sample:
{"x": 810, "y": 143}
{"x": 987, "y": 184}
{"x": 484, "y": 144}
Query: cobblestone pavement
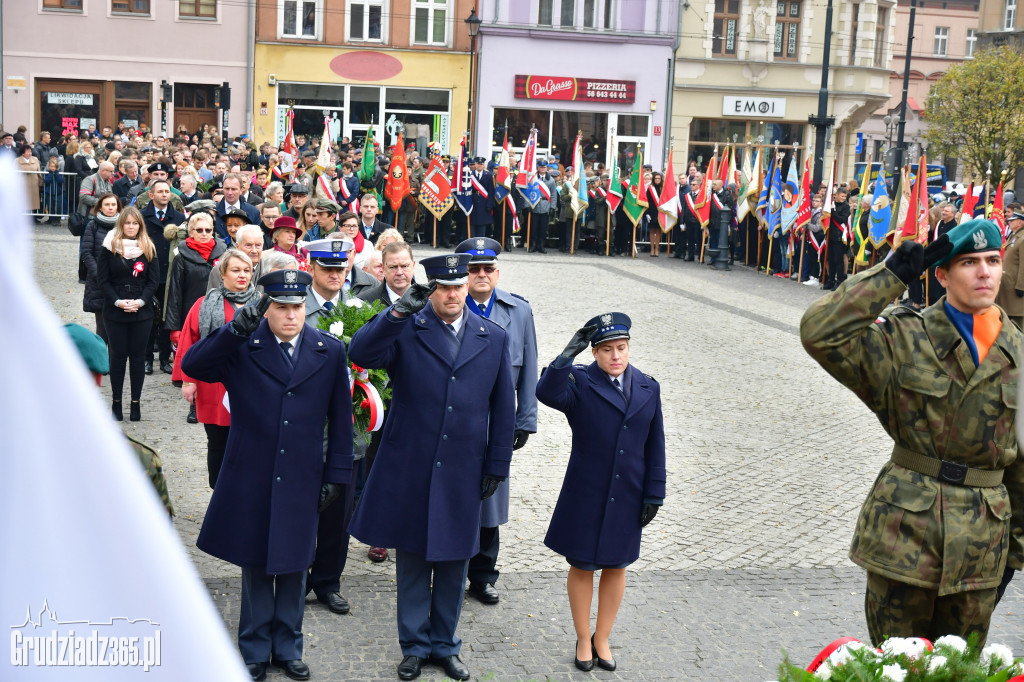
{"x": 768, "y": 462}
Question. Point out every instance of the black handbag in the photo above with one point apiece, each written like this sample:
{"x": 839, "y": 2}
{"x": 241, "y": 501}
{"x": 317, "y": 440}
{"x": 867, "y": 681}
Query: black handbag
{"x": 76, "y": 224}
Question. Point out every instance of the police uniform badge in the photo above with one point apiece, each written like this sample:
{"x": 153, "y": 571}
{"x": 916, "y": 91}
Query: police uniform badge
{"x": 452, "y": 261}
{"x": 606, "y": 319}
{"x": 337, "y": 246}
{"x": 289, "y": 277}
{"x": 480, "y": 244}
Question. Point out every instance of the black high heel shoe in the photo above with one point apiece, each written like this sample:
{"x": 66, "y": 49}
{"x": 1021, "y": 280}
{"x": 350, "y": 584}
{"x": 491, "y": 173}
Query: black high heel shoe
{"x": 603, "y": 664}
{"x": 115, "y": 410}
{"x": 585, "y": 666}
{"x": 135, "y": 411}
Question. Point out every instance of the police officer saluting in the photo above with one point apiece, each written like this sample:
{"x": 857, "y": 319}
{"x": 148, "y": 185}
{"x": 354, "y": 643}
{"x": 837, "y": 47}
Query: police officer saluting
{"x": 936, "y": 532}
{"x": 447, "y": 444}
{"x": 513, "y": 314}
{"x": 285, "y": 380}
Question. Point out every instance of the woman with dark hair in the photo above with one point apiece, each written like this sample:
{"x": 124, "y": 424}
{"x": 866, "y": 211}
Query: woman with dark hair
{"x": 104, "y": 216}
{"x": 654, "y": 191}
{"x": 129, "y": 274}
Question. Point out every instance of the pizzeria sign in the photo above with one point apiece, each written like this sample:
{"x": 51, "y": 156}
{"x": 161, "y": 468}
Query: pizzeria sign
{"x": 570, "y": 89}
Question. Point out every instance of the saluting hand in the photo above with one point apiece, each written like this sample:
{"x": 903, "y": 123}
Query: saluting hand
{"x": 579, "y": 341}
{"x": 248, "y": 318}
{"x": 414, "y": 299}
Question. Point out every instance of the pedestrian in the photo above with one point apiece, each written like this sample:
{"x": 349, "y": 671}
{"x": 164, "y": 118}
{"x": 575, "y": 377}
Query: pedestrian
{"x": 29, "y": 165}
{"x": 1011, "y": 287}
{"x": 451, "y": 382}
{"x": 836, "y": 241}
{"x": 285, "y": 235}
{"x": 539, "y": 214}
{"x": 94, "y": 186}
{"x": 128, "y": 271}
{"x": 285, "y": 381}
{"x": 615, "y": 480}
{"x": 689, "y": 235}
{"x": 55, "y": 196}
{"x": 935, "y": 534}
{"x": 206, "y": 315}
{"x": 652, "y": 214}
{"x": 104, "y": 217}
{"x": 512, "y": 313}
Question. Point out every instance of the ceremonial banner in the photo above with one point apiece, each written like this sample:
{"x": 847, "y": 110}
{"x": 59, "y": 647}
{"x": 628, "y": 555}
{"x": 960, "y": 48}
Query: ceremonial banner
{"x": 967, "y": 209}
{"x": 668, "y": 207}
{"x": 997, "y": 216}
{"x": 745, "y": 181}
{"x": 369, "y": 168}
{"x": 397, "y": 188}
{"x": 436, "y": 191}
{"x": 462, "y": 182}
{"x": 803, "y": 214}
{"x": 526, "y": 178}
{"x": 503, "y": 174}
{"x": 287, "y": 155}
{"x": 790, "y": 198}
{"x": 323, "y": 159}
{"x": 761, "y": 210}
{"x": 703, "y": 204}
{"x": 614, "y": 184}
{"x": 579, "y": 200}
{"x": 880, "y": 219}
{"x": 775, "y": 198}
{"x": 635, "y": 202}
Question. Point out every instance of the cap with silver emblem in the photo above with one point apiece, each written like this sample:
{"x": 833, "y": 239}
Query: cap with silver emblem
{"x": 286, "y": 286}
{"x": 449, "y": 270}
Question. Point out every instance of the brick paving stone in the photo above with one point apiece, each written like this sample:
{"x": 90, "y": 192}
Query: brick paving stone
{"x": 768, "y": 462}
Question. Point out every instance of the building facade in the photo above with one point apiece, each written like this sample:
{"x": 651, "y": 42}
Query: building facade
{"x": 71, "y": 63}
{"x": 397, "y": 65}
{"x": 747, "y": 72}
{"x": 598, "y": 67}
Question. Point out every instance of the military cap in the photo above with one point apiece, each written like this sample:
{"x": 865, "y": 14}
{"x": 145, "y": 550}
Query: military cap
{"x": 205, "y": 206}
{"x": 1016, "y": 215}
{"x": 974, "y": 236}
{"x": 286, "y": 222}
{"x": 236, "y": 213}
{"x": 297, "y": 188}
{"x": 328, "y": 253}
{"x": 286, "y": 286}
{"x": 648, "y": 166}
{"x": 91, "y": 347}
{"x": 482, "y": 249}
{"x": 327, "y": 206}
{"x": 542, "y": 163}
{"x": 446, "y": 158}
{"x": 479, "y": 159}
{"x": 610, "y": 327}
{"x": 450, "y": 270}
{"x": 158, "y": 166}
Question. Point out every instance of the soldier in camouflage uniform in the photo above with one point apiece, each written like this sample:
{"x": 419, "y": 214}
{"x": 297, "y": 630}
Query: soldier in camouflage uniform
{"x": 154, "y": 467}
{"x": 944, "y": 516}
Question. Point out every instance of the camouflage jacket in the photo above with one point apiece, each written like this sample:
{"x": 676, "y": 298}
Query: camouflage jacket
{"x": 154, "y": 469}
{"x": 914, "y": 371}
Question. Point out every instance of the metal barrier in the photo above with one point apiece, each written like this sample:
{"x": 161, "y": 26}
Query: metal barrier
{"x": 58, "y": 194}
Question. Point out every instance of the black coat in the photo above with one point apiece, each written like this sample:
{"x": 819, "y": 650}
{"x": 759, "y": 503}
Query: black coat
{"x": 117, "y": 279}
{"x": 190, "y": 273}
{"x": 155, "y": 230}
{"x": 92, "y": 245}
{"x": 123, "y": 185}
{"x": 840, "y": 216}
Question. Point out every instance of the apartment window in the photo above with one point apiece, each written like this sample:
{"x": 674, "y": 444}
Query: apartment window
{"x": 941, "y": 41}
{"x": 881, "y": 35}
{"x": 130, "y": 6}
{"x": 430, "y": 27}
{"x": 787, "y": 29}
{"x": 972, "y": 42}
{"x": 727, "y": 18}
{"x": 853, "y": 32}
{"x": 608, "y": 13}
{"x": 366, "y": 20}
{"x": 299, "y": 18}
{"x": 206, "y": 9}
{"x": 63, "y": 4}
{"x": 589, "y": 13}
{"x": 546, "y": 11}
{"x": 1010, "y": 18}
{"x": 568, "y": 13}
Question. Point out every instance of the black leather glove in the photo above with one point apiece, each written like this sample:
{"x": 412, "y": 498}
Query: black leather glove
{"x": 579, "y": 341}
{"x": 937, "y": 250}
{"x": 414, "y": 299}
{"x": 248, "y": 318}
{"x": 907, "y": 262}
{"x": 519, "y": 439}
{"x": 648, "y": 513}
{"x": 488, "y": 486}
{"x": 329, "y": 492}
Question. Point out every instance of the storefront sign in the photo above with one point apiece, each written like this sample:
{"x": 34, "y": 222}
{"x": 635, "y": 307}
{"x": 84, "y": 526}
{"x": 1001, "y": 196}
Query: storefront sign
{"x": 131, "y": 123}
{"x": 80, "y": 99}
{"x": 69, "y": 125}
{"x": 571, "y": 89}
{"x": 766, "y": 107}
{"x": 17, "y": 82}
{"x": 84, "y": 123}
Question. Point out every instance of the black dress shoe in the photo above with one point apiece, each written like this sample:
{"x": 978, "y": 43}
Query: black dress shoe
{"x": 258, "y": 671}
{"x": 586, "y": 666}
{"x": 148, "y": 366}
{"x": 603, "y": 664}
{"x": 192, "y": 418}
{"x": 409, "y": 668}
{"x": 134, "y": 411}
{"x": 484, "y": 592}
{"x": 115, "y": 410}
{"x": 166, "y": 367}
{"x": 335, "y": 602}
{"x": 296, "y": 669}
{"x": 452, "y": 665}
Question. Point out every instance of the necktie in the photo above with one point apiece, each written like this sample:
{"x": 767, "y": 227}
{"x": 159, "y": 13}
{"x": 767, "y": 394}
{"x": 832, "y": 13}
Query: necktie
{"x": 617, "y": 384}
{"x": 451, "y": 328}
{"x": 160, "y": 215}
{"x": 328, "y": 306}
{"x": 287, "y": 348}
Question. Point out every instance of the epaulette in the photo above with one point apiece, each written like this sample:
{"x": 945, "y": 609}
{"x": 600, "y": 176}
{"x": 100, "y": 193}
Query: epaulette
{"x": 521, "y": 298}
{"x": 328, "y": 335}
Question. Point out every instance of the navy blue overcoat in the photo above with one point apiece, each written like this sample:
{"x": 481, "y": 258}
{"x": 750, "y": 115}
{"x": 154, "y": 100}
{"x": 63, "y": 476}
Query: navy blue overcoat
{"x": 263, "y": 512}
{"x": 449, "y": 425}
{"x": 617, "y": 461}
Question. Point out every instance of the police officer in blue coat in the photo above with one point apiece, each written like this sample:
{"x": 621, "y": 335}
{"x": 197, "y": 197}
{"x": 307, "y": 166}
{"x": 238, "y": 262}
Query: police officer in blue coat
{"x": 481, "y": 220}
{"x": 513, "y": 314}
{"x": 447, "y": 444}
{"x": 615, "y": 480}
{"x": 284, "y": 380}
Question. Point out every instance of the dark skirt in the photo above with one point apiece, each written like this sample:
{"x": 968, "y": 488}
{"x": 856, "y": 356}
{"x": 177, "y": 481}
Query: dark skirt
{"x": 588, "y": 566}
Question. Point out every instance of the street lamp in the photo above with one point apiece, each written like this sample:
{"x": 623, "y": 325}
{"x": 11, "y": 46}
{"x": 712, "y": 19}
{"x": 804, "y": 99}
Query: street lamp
{"x": 473, "y": 27}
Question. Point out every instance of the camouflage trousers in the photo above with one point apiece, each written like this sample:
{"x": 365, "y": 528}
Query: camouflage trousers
{"x": 896, "y": 609}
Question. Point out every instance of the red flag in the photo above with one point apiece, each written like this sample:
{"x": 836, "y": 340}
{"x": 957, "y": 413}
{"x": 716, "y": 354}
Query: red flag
{"x": 997, "y": 212}
{"x": 803, "y": 213}
{"x": 970, "y": 201}
{"x": 704, "y": 193}
{"x": 668, "y": 207}
{"x": 725, "y": 171}
{"x": 396, "y": 189}
{"x": 289, "y": 153}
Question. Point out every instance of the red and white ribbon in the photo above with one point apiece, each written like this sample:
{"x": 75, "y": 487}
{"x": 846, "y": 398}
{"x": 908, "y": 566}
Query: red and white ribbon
{"x": 371, "y": 402}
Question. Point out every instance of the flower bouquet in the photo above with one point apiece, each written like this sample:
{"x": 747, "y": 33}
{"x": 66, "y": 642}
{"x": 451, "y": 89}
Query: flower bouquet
{"x": 370, "y": 387}
{"x": 949, "y": 659}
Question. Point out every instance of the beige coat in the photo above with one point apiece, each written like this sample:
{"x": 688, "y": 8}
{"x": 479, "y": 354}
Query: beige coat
{"x": 1013, "y": 276}
{"x": 33, "y": 181}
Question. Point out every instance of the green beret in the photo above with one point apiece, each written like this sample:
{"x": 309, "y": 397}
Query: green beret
{"x": 91, "y": 347}
{"x": 973, "y": 236}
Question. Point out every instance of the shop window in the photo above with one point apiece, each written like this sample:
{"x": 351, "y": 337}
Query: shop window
{"x": 881, "y": 35}
{"x": 565, "y": 125}
{"x": 311, "y": 94}
{"x": 787, "y": 29}
{"x": 568, "y": 13}
{"x": 130, "y": 7}
{"x": 430, "y": 22}
{"x": 416, "y": 99}
{"x": 204, "y": 9}
{"x": 941, "y": 41}
{"x": 727, "y": 18}
{"x": 632, "y": 126}
{"x": 75, "y": 5}
{"x": 853, "y": 32}
{"x": 364, "y": 105}
{"x": 546, "y": 10}
{"x": 366, "y": 20}
{"x": 193, "y": 96}
{"x": 972, "y": 43}
{"x": 299, "y": 18}
{"x": 519, "y": 123}
{"x": 66, "y": 107}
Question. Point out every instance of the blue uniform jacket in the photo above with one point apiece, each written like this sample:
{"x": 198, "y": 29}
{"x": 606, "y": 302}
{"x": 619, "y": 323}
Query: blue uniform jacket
{"x": 448, "y": 426}
{"x": 263, "y": 512}
{"x": 514, "y": 315}
{"x": 483, "y": 206}
{"x": 617, "y": 461}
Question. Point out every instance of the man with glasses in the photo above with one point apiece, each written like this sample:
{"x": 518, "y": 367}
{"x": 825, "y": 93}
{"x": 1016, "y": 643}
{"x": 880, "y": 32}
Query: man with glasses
{"x": 356, "y": 281}
{"x": 513, "y": 314}
{"x": 691, "y": 227}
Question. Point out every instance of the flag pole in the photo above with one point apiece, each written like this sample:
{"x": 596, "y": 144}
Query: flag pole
{"x": 434, "y": 241}
{"x": 634, "y": 241}
{"x": 803, "y": 246}
{"x": 608, "y": 230}
{"x": 503, "y": 212}
{"x": 528, "y": 216}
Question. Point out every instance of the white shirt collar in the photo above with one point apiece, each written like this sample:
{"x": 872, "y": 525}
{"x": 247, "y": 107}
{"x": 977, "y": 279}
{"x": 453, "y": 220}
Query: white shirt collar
{"x": 294, "y": 342}
{"x": 320, "y": 299}
{"x": 621, "y": 377}
{"x": 459, "y": 322}
{"x": 392, "y": 296}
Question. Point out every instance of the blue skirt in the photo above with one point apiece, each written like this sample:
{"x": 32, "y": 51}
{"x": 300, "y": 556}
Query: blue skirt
{"x": 588, "y": 566}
